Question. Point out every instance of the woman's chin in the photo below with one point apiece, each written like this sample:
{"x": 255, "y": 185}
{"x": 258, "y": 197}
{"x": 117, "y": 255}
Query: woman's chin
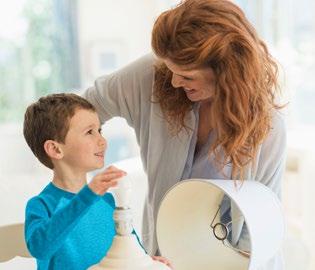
{"x": 192, "y": 97}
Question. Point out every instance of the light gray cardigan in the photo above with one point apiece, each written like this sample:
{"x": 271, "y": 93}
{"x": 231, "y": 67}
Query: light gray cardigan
{"x": 128, "y": 93}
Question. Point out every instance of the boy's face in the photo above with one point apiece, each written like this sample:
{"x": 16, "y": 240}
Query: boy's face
{"x": 84, "y": 145}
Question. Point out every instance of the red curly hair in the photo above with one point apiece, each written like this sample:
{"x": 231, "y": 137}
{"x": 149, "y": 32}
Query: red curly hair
{"x": 216, "y": 34}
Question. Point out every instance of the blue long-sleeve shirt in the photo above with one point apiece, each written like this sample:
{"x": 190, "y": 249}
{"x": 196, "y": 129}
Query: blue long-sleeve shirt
{"x": 64, "y": 230}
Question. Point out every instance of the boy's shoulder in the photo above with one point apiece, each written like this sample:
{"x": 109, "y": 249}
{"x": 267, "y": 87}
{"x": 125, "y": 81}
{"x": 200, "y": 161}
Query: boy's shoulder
{"x": 47, "y": 199}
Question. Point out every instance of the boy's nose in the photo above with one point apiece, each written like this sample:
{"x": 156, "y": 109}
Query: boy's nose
{"x": 102, "y": 141}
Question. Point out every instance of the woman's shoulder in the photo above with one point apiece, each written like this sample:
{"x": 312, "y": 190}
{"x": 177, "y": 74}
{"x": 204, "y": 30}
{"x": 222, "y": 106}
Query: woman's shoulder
{"x": 146, "y": 61}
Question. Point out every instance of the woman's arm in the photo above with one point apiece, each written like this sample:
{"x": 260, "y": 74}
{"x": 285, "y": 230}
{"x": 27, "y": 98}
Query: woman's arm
{"x": 272, "y": 157}
{"x": 125, "y": 92}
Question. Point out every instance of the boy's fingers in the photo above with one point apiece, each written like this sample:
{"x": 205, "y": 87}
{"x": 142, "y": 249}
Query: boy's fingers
{"x": 110, "y": 184}
{"x": 111, "y": 176}
{"x": 112, "y": 169}
{"x": 113, "y": 183}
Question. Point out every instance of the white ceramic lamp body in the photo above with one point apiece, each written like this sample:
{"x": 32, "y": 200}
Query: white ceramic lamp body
{"x": 183, "y": 224}
{"x": 125, "y": 252}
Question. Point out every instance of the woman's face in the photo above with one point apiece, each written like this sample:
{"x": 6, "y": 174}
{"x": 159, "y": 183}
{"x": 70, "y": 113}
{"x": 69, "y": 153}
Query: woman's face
{"x": 198, "y": 84}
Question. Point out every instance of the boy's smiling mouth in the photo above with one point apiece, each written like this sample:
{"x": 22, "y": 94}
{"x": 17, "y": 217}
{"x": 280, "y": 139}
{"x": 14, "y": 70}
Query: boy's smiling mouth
{"x": 100, "y": 154}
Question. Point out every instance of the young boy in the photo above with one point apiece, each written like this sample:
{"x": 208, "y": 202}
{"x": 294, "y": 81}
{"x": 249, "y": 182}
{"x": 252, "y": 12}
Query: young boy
{"x": 69, "y": 224}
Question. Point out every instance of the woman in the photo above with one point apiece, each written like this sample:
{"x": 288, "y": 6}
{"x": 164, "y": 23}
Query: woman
{"x": 203, "y": 106}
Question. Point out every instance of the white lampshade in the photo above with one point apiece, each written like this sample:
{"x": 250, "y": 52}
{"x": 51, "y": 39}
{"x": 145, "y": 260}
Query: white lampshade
{"x": 183, "y": 224}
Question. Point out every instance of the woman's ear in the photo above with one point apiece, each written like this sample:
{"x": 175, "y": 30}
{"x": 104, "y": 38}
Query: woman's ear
{"x": 53, "y": 149}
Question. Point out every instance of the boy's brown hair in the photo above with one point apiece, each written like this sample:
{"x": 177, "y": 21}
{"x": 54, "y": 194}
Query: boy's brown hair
{"x": 49, "y": 119}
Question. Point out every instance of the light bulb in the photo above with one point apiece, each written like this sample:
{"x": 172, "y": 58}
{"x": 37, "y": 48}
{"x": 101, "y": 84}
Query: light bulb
{"x": 122, "y": 193}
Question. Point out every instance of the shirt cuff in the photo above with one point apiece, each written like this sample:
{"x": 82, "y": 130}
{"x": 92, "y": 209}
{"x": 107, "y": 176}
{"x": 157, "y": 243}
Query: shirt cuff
{"x": 88, "y": 196}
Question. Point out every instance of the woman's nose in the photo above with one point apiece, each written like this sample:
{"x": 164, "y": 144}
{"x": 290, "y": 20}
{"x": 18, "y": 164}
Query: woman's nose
{"x": 176, "y": 81}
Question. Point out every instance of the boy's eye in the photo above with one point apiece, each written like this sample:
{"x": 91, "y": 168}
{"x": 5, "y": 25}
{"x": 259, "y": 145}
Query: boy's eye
{"x": 100, "y": 131}
{"x": 90, "y": 131}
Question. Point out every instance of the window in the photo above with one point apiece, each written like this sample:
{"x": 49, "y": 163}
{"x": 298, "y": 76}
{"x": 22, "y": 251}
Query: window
{"x": 288, "y": 27}
{"x": 39, "y": 54}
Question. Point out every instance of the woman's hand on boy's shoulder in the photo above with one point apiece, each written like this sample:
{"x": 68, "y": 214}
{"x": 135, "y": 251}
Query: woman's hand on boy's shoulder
{"x": 105, "y": 180}
{"x": 162, "y": 260}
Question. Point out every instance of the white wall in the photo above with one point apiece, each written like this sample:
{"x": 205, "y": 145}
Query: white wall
{"x": 124, "y": 23}
{"x": 21, "y": 177}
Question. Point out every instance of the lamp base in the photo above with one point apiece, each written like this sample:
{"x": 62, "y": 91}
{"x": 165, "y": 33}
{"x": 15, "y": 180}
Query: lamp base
{"x": 126, "y": 254}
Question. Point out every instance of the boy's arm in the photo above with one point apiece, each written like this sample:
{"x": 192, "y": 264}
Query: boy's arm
{"x": 45, "y": 234}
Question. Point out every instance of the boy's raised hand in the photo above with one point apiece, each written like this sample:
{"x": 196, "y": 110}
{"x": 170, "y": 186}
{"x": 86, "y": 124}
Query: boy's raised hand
{"x": 105, "y": 180}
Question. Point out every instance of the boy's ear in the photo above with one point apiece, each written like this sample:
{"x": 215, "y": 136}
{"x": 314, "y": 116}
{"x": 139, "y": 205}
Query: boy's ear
{"x": 53, "y": 150}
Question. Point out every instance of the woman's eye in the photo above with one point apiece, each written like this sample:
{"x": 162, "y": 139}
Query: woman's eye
{"x": 186, "y": 78}
{"x": 90, "y": 131}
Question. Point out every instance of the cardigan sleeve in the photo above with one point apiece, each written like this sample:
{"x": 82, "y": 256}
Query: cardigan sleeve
{"x": 124, "y": 93}
{"x": 270, "y": 165}
{"x": 272, "y": 157}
